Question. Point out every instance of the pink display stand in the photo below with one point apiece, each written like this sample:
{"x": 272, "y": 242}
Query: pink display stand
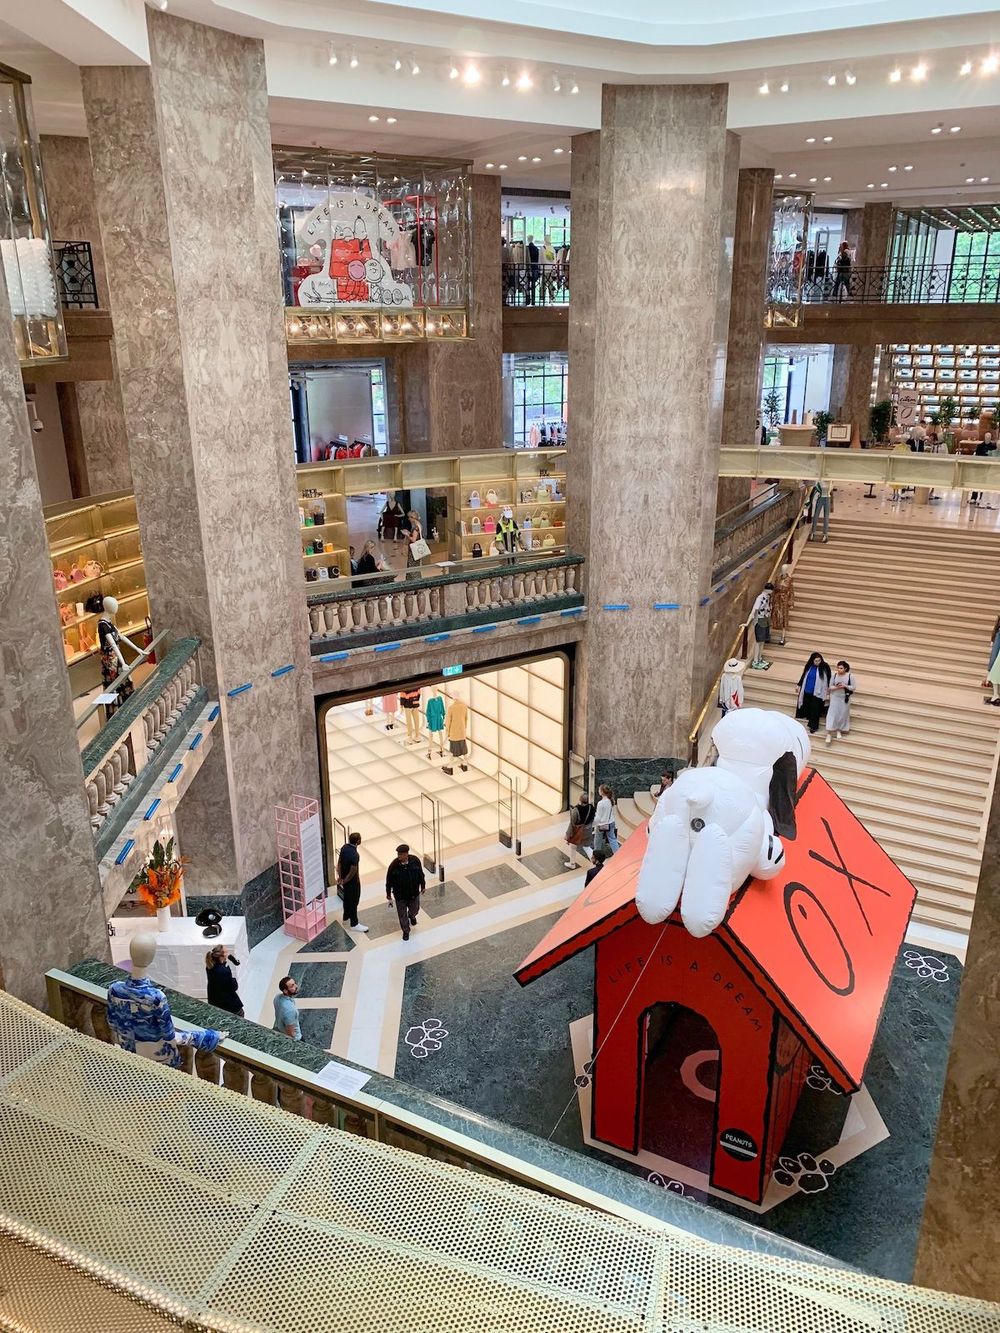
{"x": 300, "y": 867}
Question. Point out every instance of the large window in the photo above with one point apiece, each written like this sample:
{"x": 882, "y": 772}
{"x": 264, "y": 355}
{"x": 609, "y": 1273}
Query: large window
{"x": 379, "y": 431}
{"x": 535, "y": 396}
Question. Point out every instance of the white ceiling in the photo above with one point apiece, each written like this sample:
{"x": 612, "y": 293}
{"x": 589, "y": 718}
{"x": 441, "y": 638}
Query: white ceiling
{"x": 874, "y": 122}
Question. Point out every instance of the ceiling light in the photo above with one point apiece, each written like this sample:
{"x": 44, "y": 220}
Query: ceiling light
{"x": 894, "y": 168}
{"x": 783, "y": 87}
{"x": 536, "y": 159}
{"x": 831, "y": 80}
{"x": 883, "y": 185}
{"x": 489, "y": 166}
{"x": 503, "y": 166}
{"x": 954, "y": 129}
{"x": 414, "y": 67}
{"x": 522, "y": 158}
{"x": 390, "y": 120}
{"x": 870, "y": 185}
{"x": 908, "y": 167}
{"x": 333, "y": 56}
{"x": 827, "y": 179}
{"x": 504, "y": 79}
{"x": 850, "y": 78}
{"x": 970, "y": 180}
{"x": 574, "y": 87}
{"x": 812, "y": 180}
{"x": 354, "y": 62}
{"x": 983, "y": 180}
{"x": 764, "y": 89}
{"x": 918, "y": 72}
{"x": 966, "y": 68}
{"x": 828, "y": 138}
{"x": 990, "y": 65}
{"x": 811, "y": 139}
{"x": 937, "y": 129}
{"x": 397, "y": 64}
{"x": 524, "y": 81}
{"x": 453, "y": 72}
{"x": 373, "y": 119}
{"x": 792, "y": 175}
{"x": 471, "y": 76}
{"x": 558, "y": 150}
{"x": 779, "y": 176}
{"x": 556, "y": 85}
{"x": 895, "y": 75}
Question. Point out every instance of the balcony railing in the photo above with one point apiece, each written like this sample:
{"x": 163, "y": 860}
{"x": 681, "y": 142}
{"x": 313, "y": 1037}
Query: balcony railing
{"x": 75, "y": 271}
{"x": 381, "y": 607}
{"x": 536, "y": 284}
{"x": 964, "y": 282}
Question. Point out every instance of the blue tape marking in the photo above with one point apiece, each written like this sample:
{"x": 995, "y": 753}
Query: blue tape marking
{"x": 123, "y": 855}
{"x": 530, "y": 620}
{"x": 240, "y": 689}
{"x": 704, "y": 601}
{"x": 438, "y": 638}
{"x": 283, "y": 671}
{"x": 173, "y": 775}
{"x": 195, "y": 741}
{"x": 666, "y": 606}
{"x": 483, "y": 629}
{"x": 718, "y": 587}
{"x": 616, "y": 606}
{"x": 333, "y": 657}
{"x": 152, "y": 807}
{"x": 572, "y": 611}
{"x": 734, "y": 578}
{"x": 387, "y": 647}
{"x": 214, "y": 713}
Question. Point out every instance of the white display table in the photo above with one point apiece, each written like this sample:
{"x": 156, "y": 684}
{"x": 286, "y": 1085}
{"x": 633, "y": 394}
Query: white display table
{"x": 181, "y": 949}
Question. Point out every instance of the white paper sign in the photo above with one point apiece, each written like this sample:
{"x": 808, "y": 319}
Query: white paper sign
{"x": 313, "y": 882}
{"x": 341, "y": 1078}
{"x": 907, "y": 408}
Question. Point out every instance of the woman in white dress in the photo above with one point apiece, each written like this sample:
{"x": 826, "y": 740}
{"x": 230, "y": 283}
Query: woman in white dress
{"x": 838, "y": 715}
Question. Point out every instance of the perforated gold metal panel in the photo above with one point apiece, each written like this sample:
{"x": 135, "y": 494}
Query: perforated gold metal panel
{"x": 138, "y": 1198}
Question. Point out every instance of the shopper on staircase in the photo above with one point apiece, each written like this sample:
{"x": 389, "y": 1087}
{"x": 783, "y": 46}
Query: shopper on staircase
{"x": 814, "y": 690}
{"x": 822, "y": 504}
{"x": 605, "y": 831}
{"x": 838, "y": 715}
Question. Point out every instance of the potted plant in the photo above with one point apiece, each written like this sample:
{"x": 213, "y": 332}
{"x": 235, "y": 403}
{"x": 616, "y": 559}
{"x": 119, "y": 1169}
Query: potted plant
{"x": 158, "y": 883}
{"x": 972, "y": 413}
{"x": 772, "y": 409}
{"x": 820, "y": 422}
{"x": 947, "y": 412}
{"x": 881, "y": 417}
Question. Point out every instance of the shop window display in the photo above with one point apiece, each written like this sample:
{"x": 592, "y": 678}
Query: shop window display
{"x": 373, "y": 248}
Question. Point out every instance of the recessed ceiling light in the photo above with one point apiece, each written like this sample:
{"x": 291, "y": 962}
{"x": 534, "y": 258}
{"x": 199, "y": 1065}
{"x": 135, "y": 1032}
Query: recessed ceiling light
{"x": 954, "y": 129}
{"x": 536, "y": 159}
{"x": 397, "y": 64}
{"x": 937, "y": 129}
{"x": 983, "y": 180}
{"x": 793, "y": 175}
{"x": 784, "y": 87}
{"x": 966, "y": 67}
{"x": 970, "y": 180}
{"x": 812, "y": 180}
{"x": 504, "y": 79}
{"x": 811, "y": 139}
{"x": 390, "y": 120}
{"x": 831, "y": 80}
{"x": 574, "y": 88}
{"x": 489, "y": 165}
{"x": 453, "y": 72}
{"x": 895, "y": 75}
{"x": 828, "y": 138}
{"x": 503, "y": 166}
{"x": 870, "y": 185}
{"x": 908, "y": 167}
{"x": 333, "y": 56}
{"x": 918, "y": 72}
{"x": 827, "y": 179}
{"x": 850, "y": 78}
{"x": 556, "y": 83}
{"x": 764, "y": 88}
{"x": 894, "y": 168}
{"x": 354, "y": 62}
{"x": 471, "y": 75}
{"x": 558, "y": 150}
{"x": 990, "y": 65}
{"x": 883, "y": 185}
{"x": 414, "y": 67}
{"x": 373, "y": 119}
{"x": 522, "y": 158}
{"x": 524, "y": 81}
{"x": 780, "y": 176}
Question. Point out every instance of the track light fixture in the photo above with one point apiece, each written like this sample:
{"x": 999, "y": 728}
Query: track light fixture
{"x": 354, "y": 62}
{"x": 332, "y": 57}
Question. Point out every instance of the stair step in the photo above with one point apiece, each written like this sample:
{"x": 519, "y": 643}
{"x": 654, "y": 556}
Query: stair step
{"x": 972, "y": 721}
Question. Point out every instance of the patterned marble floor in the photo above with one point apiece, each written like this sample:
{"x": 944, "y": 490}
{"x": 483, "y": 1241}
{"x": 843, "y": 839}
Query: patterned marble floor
{"x": 443, "y": 1012}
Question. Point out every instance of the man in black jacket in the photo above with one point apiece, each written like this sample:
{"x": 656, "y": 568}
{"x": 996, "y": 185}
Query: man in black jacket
{"x": 404, "y": 881}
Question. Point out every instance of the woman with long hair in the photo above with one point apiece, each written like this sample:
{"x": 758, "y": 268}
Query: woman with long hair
{"x": 838, "y": 715}
{"x": 605, "y": 831}
{"x": 814, "y": 690}
{"x": 222, "y": 989}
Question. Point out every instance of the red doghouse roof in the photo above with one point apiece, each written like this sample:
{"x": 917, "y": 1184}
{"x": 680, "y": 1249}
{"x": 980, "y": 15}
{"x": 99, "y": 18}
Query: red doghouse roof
{"x": 820, "y": 940}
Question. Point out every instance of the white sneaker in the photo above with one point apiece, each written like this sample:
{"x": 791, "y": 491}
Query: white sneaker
{"x": 829, "y": 739}
{"x": 840, "y": 735}
{"x": 359, "y": 929}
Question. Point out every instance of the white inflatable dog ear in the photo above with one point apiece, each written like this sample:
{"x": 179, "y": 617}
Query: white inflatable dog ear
{"x": 661, "y": 875}
{"x": 709, "y": 882}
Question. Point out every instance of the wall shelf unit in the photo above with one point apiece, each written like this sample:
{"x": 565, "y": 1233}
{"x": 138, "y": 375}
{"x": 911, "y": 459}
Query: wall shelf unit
{"x": 969, "y": 372}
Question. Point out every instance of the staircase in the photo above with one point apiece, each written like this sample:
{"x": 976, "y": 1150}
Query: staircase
{"x": 911, "y": 609}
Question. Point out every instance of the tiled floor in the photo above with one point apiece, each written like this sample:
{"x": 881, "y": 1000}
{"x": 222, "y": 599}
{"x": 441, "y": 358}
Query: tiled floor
{"x": 377, "y": 780}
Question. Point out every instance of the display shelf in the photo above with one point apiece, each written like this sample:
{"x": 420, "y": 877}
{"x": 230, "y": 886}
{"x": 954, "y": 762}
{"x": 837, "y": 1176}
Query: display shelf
{"x": 967, "y": 372}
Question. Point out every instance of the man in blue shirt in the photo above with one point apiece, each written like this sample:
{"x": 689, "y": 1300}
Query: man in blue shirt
{"x": 286, "y": 1011}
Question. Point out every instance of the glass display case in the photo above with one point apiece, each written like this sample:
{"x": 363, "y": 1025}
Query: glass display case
{"x": 25, "y": 244}
{"x": 373, "y": 249}
{"x": 786, "y": 262}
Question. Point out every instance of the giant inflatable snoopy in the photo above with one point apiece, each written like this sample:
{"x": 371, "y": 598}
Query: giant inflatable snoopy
{"x": 715, "y": 826}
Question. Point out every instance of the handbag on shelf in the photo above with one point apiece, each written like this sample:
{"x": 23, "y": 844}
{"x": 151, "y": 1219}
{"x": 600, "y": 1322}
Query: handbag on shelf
{"x": 419, "y": 549}
{"x": 93, "y": 569}
{"x": 474, "y": 500}
{"x": 542, "y": 492}
{"x": 477, "y": 550}
{"x": 61, "y": 579}
{"x": 540, "y": 518}
{"x": 548, "y": 540}
{"x": 492, "y": 499}
{"x": 490, "y": 525}
{"x": 527, "y": 497}
{"x": 67, "y": 613}
{"x": 312, "y": 575}
{"x": 76, "y": 574}
{"x": 477, "y": 523}
{"x": 94, "y": 604}
{"x": 87, "y": 643}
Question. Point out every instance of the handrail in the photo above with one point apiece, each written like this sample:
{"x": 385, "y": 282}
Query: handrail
{"x": 961, "y": 282}
{"x": 751, "y": 504}
{"x": 413, "y": 577}
{"x": 739, "y": 642}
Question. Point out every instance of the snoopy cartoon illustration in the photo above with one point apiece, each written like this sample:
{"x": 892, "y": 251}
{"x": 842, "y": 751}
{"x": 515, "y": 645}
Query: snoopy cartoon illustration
{"x": 716, "y": 826}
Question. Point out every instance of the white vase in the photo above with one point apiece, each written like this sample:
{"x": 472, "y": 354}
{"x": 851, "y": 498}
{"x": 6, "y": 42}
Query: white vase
{"x": 162, "y": 918}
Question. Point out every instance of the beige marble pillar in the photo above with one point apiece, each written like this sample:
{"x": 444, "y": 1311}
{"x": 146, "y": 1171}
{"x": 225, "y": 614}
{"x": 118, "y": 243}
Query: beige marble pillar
{"x": 451, "y": 390}
{"x": 665, "y": 219}
{"x": 50, "y": 894}
{"x": 851, "y": 384}
{"x": 69, "y": 189}
{"x": 744, "y": 360}
{"x": 960, "y": 1231}
{"x": 876, "y": 234}
{"x": 185, "y": 192}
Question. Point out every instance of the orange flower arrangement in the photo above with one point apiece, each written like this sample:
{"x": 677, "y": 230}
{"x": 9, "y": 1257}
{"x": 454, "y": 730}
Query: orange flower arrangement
{"x": 158, "y": 883}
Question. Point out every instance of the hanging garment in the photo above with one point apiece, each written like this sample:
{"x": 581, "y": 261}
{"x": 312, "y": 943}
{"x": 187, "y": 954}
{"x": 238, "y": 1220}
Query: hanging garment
{"x": 435, "y": 713}
{"x": 402, "y": 254}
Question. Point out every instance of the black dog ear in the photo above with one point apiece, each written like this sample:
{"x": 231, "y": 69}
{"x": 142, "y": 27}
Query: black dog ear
{"x": 781, "y": 795}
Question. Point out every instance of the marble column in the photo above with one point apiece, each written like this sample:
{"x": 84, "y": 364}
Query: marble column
{"x": 184, "y": 184}
{"x": 876, "y": 234}
{"x": 960, "y": 1231}
{"x": 50, "y": 893}
{"x": 665, "y": 220}
{"x": 98, "y": 408}
{"x": 451, "y": 390}
{"x": 744, "y": 351}
{"x": 851, "y": 384}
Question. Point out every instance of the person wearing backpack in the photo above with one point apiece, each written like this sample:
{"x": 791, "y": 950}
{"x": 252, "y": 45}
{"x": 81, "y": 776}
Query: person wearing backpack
{"x": 580, "y": 832}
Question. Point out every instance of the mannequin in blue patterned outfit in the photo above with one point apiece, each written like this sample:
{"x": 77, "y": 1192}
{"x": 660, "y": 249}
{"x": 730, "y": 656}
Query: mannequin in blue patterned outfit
{"x": 139, "y": 1015}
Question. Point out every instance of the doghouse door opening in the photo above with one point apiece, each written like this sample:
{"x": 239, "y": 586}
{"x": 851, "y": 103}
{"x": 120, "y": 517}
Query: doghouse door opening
{"x": 680, "y": 1080}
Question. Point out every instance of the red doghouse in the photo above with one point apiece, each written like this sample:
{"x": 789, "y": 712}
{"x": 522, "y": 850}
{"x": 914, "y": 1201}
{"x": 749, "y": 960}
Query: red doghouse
{"x": 797, "y": 973}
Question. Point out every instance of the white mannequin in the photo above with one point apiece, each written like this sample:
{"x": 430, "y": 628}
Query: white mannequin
{"x": 141, "y": 947}
{"x": 108, "y": 614}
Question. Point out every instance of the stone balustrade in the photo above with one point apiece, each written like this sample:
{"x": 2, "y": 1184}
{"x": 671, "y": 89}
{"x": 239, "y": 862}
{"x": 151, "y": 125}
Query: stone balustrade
{"x": 474, "y": 594}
